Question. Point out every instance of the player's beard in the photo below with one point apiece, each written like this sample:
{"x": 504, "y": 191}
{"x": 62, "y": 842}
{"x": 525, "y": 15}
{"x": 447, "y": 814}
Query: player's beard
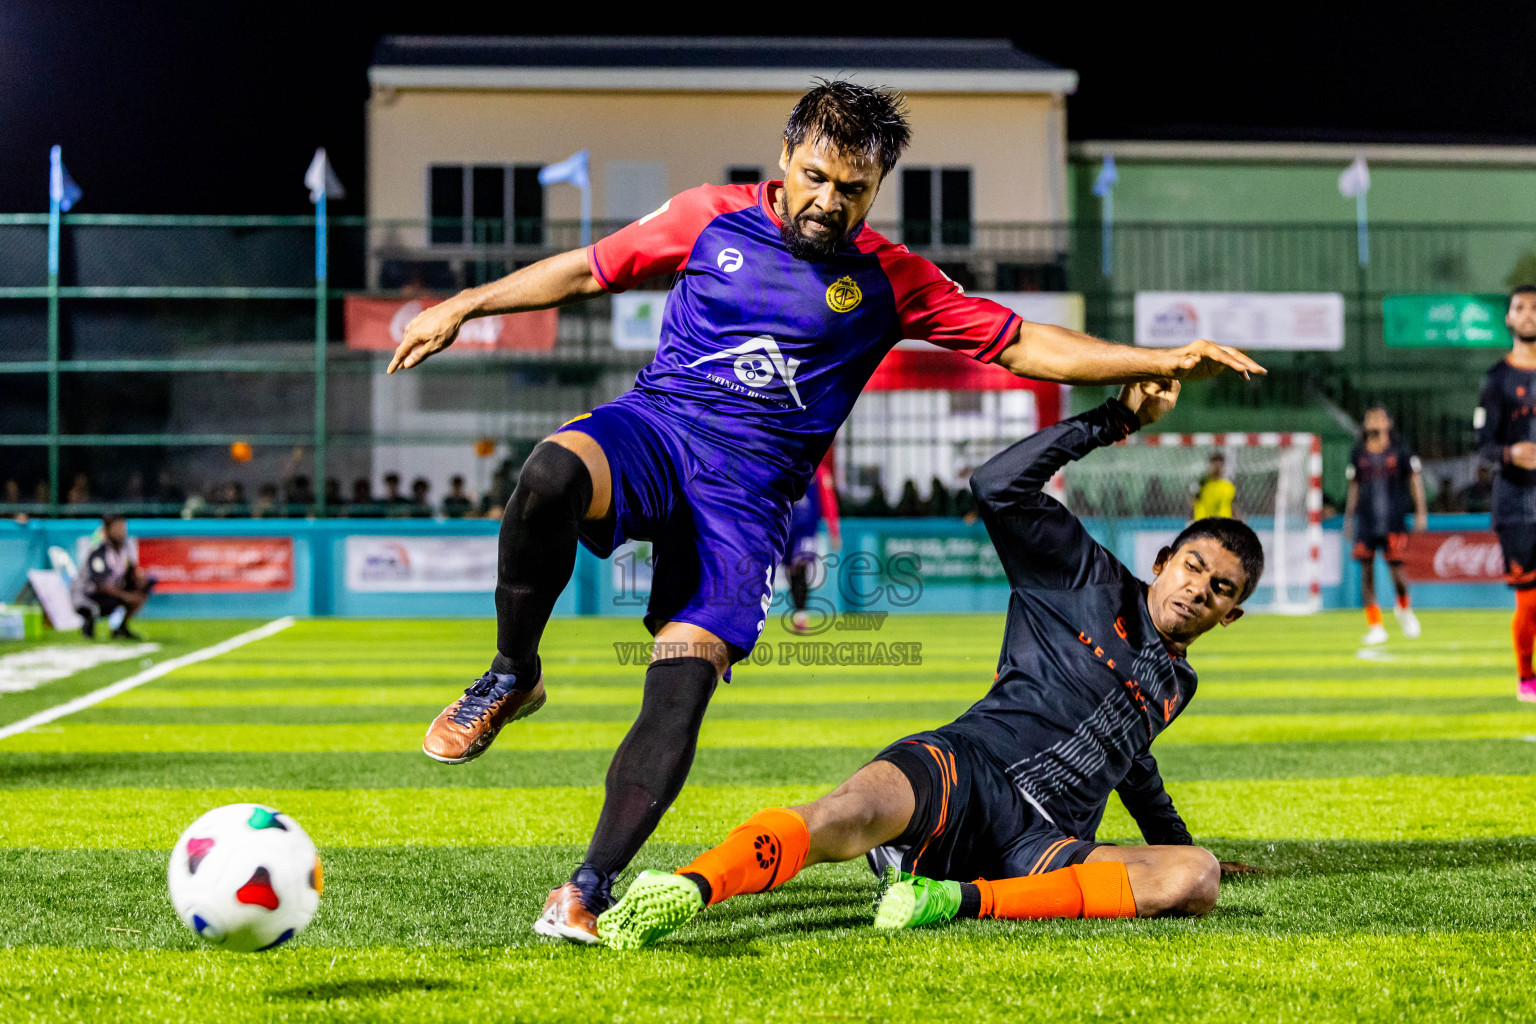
{"x": 803, "y": 247}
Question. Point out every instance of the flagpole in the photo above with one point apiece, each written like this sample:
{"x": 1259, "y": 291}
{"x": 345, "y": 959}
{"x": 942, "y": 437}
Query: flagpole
{"x": 321, "y": 299}
{"x": 55, "y": 191}
{"x": 1107, "y": 245}
{"x": 586, "y": 213}
{"x": 1363, "y": 240}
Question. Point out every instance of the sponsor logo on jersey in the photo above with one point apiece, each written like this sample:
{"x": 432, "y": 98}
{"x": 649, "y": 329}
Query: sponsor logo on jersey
{"x": 758, "y": 362}
{"x": 843, "y": 295}
{"x": 729, "y": 260}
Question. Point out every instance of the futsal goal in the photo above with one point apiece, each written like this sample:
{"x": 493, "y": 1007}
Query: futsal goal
{"x": 1135, "y": 496}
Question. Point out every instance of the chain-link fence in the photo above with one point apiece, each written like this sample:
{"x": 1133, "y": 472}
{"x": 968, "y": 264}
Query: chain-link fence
{"x": 191, "y": 365}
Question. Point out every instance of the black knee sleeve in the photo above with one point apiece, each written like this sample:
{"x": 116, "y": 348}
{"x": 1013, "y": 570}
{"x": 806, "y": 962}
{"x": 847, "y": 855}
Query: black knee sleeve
{"x": 651, "y": 765}
{"x": 536, "y": 553}
{"x": 554, "y": 483}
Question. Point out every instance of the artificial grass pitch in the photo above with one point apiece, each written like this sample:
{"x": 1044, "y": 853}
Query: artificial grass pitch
{"x": 1390, "y": 800}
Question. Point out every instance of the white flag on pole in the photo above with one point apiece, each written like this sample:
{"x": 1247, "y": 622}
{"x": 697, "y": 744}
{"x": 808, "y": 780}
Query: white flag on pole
{"x": 1356, "y": 179}
{"x": 321, "y": 179}
{"x": 572, "y": 169}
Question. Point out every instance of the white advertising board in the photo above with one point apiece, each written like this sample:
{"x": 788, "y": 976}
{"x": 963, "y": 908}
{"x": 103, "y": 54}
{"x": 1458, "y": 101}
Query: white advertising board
{"x": 637, "y": 320}
{"x": 405, "y": 565}
{"x": 1304, "y": 321}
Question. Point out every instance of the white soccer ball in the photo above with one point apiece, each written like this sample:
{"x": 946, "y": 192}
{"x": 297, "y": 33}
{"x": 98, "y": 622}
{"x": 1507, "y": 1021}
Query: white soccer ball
{"x": 245, "y": 877}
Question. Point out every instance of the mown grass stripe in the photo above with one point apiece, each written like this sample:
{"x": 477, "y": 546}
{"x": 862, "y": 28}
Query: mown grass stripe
{"x": 1393, "y": 808}
{"x": 873, "y": 733}
{"x": 720, "y": 766}
{"x": 769, "y": 972}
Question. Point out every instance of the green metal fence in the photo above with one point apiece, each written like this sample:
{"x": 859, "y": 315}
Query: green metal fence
{"x": 186, "y": 335}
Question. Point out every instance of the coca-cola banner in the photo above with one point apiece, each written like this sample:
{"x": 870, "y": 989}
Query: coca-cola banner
{"x": 378, "y": 324}
{"x": 1460, "y": 556}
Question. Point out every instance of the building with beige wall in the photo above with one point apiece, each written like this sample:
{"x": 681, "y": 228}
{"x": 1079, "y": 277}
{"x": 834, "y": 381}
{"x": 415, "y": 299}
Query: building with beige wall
{"x": 661, "y": 115}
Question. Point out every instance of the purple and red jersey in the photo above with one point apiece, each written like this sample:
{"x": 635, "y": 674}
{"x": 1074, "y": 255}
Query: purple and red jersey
{"x": 762, "y": 355}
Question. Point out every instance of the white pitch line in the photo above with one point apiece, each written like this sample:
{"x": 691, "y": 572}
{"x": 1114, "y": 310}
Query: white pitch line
{"x": 140, "y": 678}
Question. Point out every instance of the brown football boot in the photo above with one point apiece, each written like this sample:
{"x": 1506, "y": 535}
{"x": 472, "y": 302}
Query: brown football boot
{"x": 467, "y": 726}
{"x": 567, "y": 916}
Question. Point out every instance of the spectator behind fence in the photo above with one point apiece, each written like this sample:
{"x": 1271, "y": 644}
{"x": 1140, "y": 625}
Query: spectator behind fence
{"x": 363, "y": 504}
{"x": 229, "y": 501}
{"x": 1478, "y": 496}
{"x": 133, "y": 490}
{"x": 332, "y": 495}
{"x": 457, "y": 504}
{"x": 166, "y": 491}
{"x": 109, "y": 579}
{"x": 79, "y": 491}
{"x": 267, "y": 504}
{"x": 396, "y": 505}
{"x": 1445, "y": 497}
{"x": 421, "y": 498}
{"x": 299, "y": 493}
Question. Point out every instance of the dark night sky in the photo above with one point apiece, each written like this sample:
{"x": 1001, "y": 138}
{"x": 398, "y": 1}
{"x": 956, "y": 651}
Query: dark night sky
{"x": 178, "y": 107}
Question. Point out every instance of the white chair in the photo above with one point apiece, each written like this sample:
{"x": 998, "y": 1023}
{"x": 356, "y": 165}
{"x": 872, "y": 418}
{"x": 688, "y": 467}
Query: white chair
{"x": 60, "y": 560}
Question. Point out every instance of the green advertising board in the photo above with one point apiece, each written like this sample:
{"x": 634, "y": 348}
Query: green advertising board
{"x": 1451, "y": 321}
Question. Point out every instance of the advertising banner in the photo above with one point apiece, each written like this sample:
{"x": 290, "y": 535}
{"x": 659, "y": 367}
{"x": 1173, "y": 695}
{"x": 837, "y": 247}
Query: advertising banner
{"x": 378, "y": 325}
{"x": 406, "y": 565}
{"x": 1312, "y": 321}
{"x": 218, "y": 565}
{"x": 1454, "y": 556}
{"x": 637, "y": 320}
{"x": 1444, "y": 321}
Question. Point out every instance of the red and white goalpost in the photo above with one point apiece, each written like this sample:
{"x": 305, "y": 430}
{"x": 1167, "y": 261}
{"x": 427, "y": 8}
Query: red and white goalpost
{"x": 1141, "y": 492}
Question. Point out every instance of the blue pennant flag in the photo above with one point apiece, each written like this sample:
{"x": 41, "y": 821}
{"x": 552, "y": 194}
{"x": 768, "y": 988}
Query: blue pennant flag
{"x": 61, "y": 187}
{"x": 572, "y": 169}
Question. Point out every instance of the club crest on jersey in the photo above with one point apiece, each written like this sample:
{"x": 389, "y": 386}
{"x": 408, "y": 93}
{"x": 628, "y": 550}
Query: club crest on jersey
{"x": 843, "y": 295}
{"x": 758, "y": 362}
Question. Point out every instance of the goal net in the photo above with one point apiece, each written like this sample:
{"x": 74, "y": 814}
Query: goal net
{"x": 1137, "y": 495}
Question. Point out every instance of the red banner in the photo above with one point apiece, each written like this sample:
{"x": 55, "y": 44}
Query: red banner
{"x": 378, "y": 325}
{"x": 217, "y": 565}
{"x": 1461, "y": 556}
{"x": 905, "y": 369}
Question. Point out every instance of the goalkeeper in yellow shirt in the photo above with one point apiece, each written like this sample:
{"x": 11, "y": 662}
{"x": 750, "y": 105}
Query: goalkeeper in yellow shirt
{"x": 1215, "y": 494}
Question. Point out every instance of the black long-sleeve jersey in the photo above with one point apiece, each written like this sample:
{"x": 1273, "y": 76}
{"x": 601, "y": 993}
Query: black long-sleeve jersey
{"x": 1506, "y": 414}
{"x": 1085, "y": 682}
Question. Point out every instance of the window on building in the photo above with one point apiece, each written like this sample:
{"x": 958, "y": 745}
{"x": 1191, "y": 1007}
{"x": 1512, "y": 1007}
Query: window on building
{"x": 936, "y": 205}
{"x": 485, "y": 204}
{"x": 445, "y": 203}
{"x": 743, "y": 175}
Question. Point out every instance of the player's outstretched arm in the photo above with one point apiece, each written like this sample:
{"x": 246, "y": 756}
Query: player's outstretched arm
{"x": 1148, "y": 802}
{"x": 1046, "y": 352}
{"x": 556, "y": 281}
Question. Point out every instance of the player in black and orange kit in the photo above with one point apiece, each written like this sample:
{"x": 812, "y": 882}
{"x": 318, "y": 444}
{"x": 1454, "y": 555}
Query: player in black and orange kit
{"x": 1012, "y": 793}
{"x": 1506, "y": 436}
{"x": 1384, "y": 477}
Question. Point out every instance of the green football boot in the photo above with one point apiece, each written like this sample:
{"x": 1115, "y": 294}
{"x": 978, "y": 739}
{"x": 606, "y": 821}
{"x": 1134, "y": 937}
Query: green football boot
{"x": 889, "y": 876}
{"x": 916, "y": 901}
{"x": 657, "y": 904}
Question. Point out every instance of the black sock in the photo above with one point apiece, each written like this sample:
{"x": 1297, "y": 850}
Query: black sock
{"x": 800, "y": 584}
{"x": 536, "y": 553}
{"x": 705, "y": 889}
{"x": 650, "y": 766}
{"x": 970, "y": 900}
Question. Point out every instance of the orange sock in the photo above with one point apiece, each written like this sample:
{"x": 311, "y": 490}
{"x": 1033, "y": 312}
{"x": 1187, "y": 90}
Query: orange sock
{"x": 1101, "y": 889}
{"x": 1523, "y": 627}
{"x": 1402, "y": 602}
{"x": 1373, "y": 615}
{"x": 766, "y": 850}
